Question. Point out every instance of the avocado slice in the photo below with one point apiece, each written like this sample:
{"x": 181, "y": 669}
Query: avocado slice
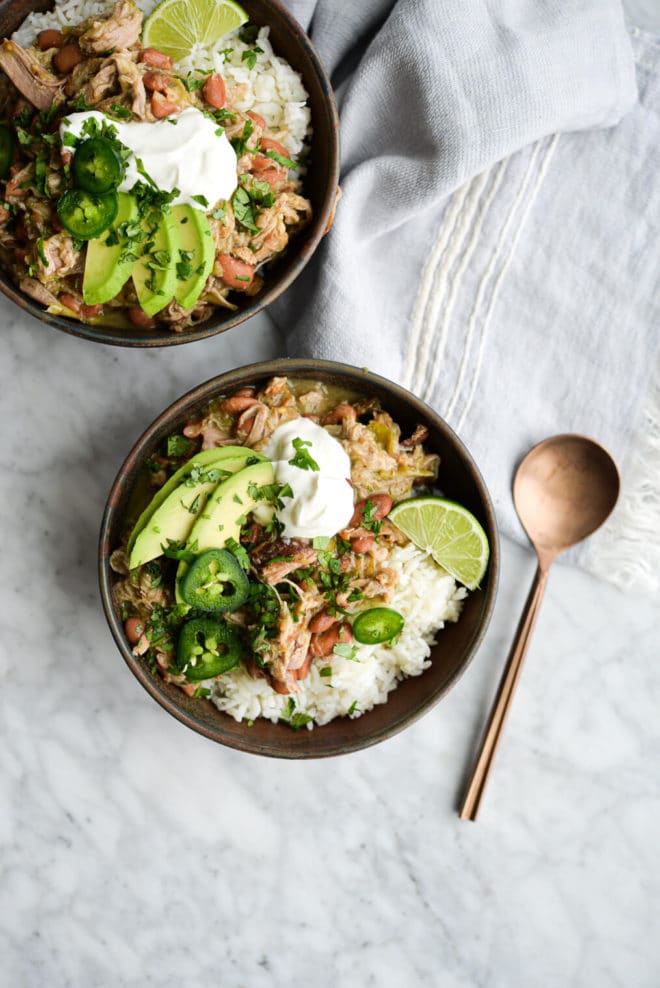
{"x": 196, "y": 254}
{"x": 230, "y": 501}
{"x": 203, "y": 459}
{"x": 154, "y": 273}
{"x": 223, "y": 513}
{"x": 105, "y": 271}
{"x": 175, "y": 517}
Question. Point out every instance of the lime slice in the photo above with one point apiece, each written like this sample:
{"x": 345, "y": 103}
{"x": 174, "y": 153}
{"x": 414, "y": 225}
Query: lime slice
{"x": 449, "y": 532}
{"x": 177, "y": 27}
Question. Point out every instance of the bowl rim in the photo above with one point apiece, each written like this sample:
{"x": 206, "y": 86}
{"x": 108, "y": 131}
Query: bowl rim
{"x": 299, "y": 257}
{"x": 206, "y": 391}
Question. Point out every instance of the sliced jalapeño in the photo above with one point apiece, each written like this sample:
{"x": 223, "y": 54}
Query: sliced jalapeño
{"x": 207, "y": 648}
{"x": 215, "y": 582}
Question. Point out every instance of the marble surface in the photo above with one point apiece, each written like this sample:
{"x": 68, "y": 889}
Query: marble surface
{"x": 134, "y": 852}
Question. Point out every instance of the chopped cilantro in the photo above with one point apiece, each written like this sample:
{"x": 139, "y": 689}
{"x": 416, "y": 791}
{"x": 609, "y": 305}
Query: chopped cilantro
{"x": 299, "y": 720}
{"x": 184, "y": 268}
{"x": 280, "y": 158}
{"x": 368, "y": 520}
{"x": 239, "y": 552}
{"x": 194, "y": 507}
{"x": 23, "y": 136}
{"x": 202, "y": 200}
{"x": 80, "y": 105}
{"x": 192, "y": 84}
{"x": 353, "y": 708}
{"x": 326, "y": 671}
{"x": 178, "y": 446}
{"x": 244, "y": 210}
{"x": 250, "y": 56}
{"x": 239, "y": 144}
{"x": 346, "y": 651}
{"x": 120, "y": 111}
{"x": 144, "y": 173}
{"x": 302, "y": 458}
{"x": 154, "y": 573}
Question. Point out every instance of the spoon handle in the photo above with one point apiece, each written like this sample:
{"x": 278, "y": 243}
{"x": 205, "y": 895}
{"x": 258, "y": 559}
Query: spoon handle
{"x": 506, "y": 689}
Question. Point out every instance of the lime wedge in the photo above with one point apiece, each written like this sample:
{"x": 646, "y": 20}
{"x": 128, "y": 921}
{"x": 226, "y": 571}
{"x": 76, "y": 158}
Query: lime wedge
{"x": 449, "y": 532}
{"x": 176, "y": 27}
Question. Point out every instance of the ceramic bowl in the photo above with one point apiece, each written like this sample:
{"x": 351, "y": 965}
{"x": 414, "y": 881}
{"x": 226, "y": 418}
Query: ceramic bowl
{"x": 320, "y": 186}
{"x": 461, "y": 481}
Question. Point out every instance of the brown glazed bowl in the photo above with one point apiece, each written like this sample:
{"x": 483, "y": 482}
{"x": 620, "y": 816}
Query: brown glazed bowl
{"x": 320, "y": 186}
{"x": 460, "y": 480}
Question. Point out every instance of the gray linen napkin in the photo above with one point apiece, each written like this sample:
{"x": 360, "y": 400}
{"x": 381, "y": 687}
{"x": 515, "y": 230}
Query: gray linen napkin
{"x": 484, "y": 254}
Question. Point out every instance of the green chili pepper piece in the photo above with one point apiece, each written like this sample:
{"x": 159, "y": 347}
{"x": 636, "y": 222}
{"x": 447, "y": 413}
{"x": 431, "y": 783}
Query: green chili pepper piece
{"x": 207, "y": 648}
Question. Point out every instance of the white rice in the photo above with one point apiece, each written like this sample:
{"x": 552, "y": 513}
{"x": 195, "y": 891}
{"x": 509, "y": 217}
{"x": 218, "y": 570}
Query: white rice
{"x": 425, "y": 595}
{"x": 272, "y": 88}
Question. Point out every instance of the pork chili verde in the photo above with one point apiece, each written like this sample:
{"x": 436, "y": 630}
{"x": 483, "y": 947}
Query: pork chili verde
{"x": 213, "y": 572}
{"x": 93, "y": 225}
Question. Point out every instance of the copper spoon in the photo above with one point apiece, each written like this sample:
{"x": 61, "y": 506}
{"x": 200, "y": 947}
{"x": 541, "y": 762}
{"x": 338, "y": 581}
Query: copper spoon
{"x": 563, "y": 490}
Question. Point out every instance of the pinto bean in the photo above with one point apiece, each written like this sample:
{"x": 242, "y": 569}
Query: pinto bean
{"x": 50, "y": 39}
{"x": 157, "y": 59}
{"x": 71, "y": 302}
{"x": 213, "y": 91}
{"x": 251, "y": 534}
{"x": 140, "y": 318}
{"x": 321, "y": 622}
{"x": 192, "y": 430}
{"x": 274, "y": 176}
{"x": 237, "y": 403}
{"x": 244, "y": 393}
{"x": 302, "y": 672}
{"x": 279, "y": 687}
{"x": 67, "y": 58}
{"x": 362, "y": 544}
{"x": 338, "y": 414}
{"x": 236, "y": 274}
{"x": 89, "y": 311}
{"x": 156, "y": 82}
{"x": 267, "y": 144}
{"x": 134, "y": 629}
{"x": 323, "y": 643}
{"x": 258, "y": 119}
{"x": 161, "y": 107}
{"x": 382, "y": 505}
{"x": 260, "y": 163}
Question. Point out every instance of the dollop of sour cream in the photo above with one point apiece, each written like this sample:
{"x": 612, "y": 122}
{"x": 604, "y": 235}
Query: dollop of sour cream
{"x": 184, "y": 152}
{"x": 322, "y": 502}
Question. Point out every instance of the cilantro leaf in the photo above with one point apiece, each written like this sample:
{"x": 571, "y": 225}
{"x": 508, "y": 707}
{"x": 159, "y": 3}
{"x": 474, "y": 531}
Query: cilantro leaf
{"x": 302, "y": 458}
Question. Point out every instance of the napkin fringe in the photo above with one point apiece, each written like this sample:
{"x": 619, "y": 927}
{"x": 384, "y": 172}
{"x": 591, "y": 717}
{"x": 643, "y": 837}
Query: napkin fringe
{"x": 628, "y": 552}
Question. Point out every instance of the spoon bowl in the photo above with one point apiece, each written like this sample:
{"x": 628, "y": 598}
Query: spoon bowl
{"x": 564, "y": 489}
